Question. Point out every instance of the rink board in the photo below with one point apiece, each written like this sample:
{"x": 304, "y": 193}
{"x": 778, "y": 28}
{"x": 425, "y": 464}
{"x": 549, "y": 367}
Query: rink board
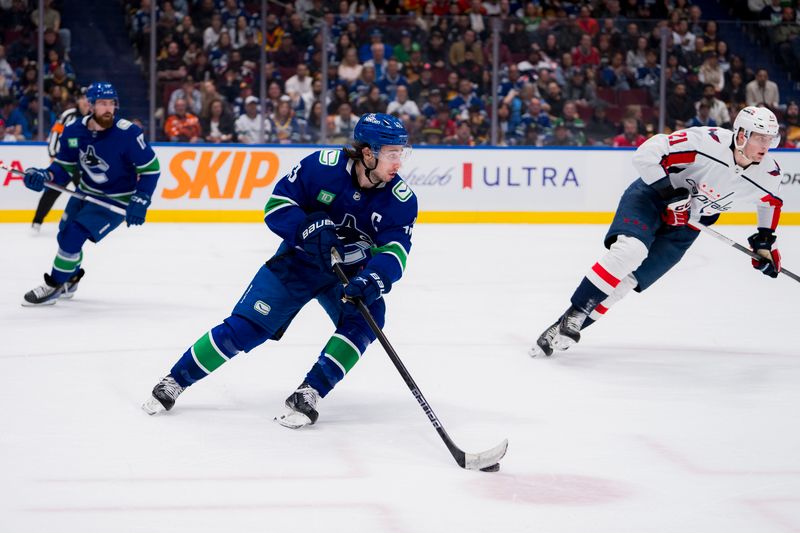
{"x": 210, "y": 183}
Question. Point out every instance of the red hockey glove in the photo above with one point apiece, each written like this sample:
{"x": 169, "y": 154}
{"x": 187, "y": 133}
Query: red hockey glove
{"x": 677, "y": 212}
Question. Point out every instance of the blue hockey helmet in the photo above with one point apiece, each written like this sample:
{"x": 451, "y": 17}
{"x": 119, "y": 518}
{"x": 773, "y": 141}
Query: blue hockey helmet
{"x": 379, "y": 129}
{"x": 101, "y": 90}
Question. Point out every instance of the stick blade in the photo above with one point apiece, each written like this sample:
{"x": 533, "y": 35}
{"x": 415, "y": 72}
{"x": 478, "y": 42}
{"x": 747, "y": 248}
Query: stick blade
{"x": 478, "y": 461}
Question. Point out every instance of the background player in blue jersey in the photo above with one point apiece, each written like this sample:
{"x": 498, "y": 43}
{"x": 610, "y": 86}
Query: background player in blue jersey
{"x": 350, "y": 200}
{"x": 116, "y": 164}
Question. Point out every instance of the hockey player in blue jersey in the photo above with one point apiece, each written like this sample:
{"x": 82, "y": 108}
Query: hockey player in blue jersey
{"x": 350, "y": 200}
{"x": 691, "y": 175}
{"x": 115, "y": 164}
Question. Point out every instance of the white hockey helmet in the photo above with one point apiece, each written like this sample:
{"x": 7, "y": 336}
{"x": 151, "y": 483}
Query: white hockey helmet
{"x": 753, "y": 119}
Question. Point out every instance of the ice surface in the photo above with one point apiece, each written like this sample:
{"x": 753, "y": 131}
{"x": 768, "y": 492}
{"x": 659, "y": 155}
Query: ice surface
{"x": 677, "y": 412}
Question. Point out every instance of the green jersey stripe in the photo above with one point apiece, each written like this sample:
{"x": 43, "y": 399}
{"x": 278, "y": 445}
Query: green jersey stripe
{"x": 277, "y": 202}
{"x": 151, "y": 166}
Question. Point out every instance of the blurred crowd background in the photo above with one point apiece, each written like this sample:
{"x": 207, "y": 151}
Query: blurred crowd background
{"x": 457, "y": 72}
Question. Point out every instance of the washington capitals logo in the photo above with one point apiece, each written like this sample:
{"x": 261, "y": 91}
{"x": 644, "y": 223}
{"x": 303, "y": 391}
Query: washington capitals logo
{"x": 776, "y": 171}
{"x": 713, "y": 133}
{"x": 356, "y": 242}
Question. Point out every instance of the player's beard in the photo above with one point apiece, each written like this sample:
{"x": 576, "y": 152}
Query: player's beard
{"x": 104, "y": 121}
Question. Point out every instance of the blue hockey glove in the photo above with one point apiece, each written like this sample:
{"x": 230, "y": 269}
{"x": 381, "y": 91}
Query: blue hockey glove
{"x": 762, "y": 243}
{"x": 137, "y": 209}
{"x": 35, "y": 177}
{"x": 367, "y": 286}
{"x": 317, "y": 236}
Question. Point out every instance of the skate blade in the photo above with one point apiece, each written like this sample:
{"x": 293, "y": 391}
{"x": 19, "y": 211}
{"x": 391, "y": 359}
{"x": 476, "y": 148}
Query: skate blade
{"x": 560, "y": 342}
{"x": 26, "y": 303}
{"x": 67, "y": 295}
{"x": 293, "y": 420}
{"x": 152, "y": 406}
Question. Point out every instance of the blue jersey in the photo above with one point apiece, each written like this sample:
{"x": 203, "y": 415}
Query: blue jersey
{"x": 113, "y": 163}
{"x": 374, "y": 224}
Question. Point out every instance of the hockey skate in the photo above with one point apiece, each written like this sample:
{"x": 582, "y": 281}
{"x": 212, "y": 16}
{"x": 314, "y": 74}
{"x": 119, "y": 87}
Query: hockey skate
{"x": 302, "y": 405}
{"x": 544, "y": 344}
{"x": 164, "y": 395}
{"x": 71, "y": 285}
{"x": 569, "y": 329}
{"x": 46, "y": 294}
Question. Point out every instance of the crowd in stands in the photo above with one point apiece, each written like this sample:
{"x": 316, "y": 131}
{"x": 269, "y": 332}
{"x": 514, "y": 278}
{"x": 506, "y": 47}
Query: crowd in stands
{"x": 570, "y": 73}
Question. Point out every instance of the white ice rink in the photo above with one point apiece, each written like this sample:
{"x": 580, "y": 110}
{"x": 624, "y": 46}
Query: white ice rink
{"x": 677, "y": 413}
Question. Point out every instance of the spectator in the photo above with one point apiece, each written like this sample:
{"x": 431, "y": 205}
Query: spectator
{"x": 462, "y": 137}
{"x": 424, "y": 84}
{"x": 212, "y": 33}
{"x": 190, "y": 94}
{"x": 792, "y": 122}
{"x": 630, "y": 136}
{"x": 182, "y": 126}
{"x": 637, "y": 57}
{"x": 600, "y": 130}
{"x": 734, "y": 92}
{"x": 703, "y": 117}
{"x": 432, "y": 104}
{"x": 240, "y": 32}
{"x": 649, "y": 76}
{"x": 172, "y": 67}
{"x": 343, "y": 124}
{"x": 402, "y": 105}
{"x": 218, "y": 126}
{"x": 350, "y": 69}
{"x": 694, "y": 58}
{"x": 248, "y": 125}
{"x": 286, "y": 128}
{"x": 682, "y": 37}
{"x": 52, "y": 21}
{"x": 287, "y": 55}
{"x": 372, "y": 102}
{"x": 230, "y": 14}
{"x": 5, "y": 135}
{"x": 457, "y": 49}
{"x": 201, "y": 69}
{"x": 554, "y": 99}
{"x": 300, "y": 83}
{"x": 710, "y": 72}
{"x": 314, "y": 123}
{"x": 615, "y": 75}
{"x": 469, "y": 68}
{"x": 717, "y": 108}
{"x": 402, "y": 52}
{"x": 585, "y": 53}
{"x": 378, "y": 60}
{"x": 573, "y": 122}
{"x": 679, "y": 106}
{"x": 250, "y": 50}
{"x": 221, "y": 53}
{"x": 587, "y": 23}
{"x": 391, "y": 79}
{"x": 578, "y": 89}
{"x": 13, "y": 118}
{"x": 762, "y": 91}
{"x": 465, "y": 99}
{"x": 274, "y": 34}
{"x": 560, "y": 136}
{"x": 436, "y": 52}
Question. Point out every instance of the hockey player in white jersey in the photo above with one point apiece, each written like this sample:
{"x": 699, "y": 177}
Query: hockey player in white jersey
{"x": 696, "y": 174}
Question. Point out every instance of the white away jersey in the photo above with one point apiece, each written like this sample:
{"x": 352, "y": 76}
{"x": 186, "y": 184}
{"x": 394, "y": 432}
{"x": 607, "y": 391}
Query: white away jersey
{"x": 701, "y": 160}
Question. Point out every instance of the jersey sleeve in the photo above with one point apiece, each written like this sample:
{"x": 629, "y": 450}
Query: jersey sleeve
{"x": 662, "y": 155}
{"x": 65, "y": 163}
{"x": 286, "y": 208}
{"x": 393, "y": 243}
{"x": 144, "y": 159}
{"x": 768, "y": 206}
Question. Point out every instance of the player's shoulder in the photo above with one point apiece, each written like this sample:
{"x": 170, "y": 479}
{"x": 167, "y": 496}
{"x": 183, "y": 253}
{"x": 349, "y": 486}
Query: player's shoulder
{"x": 401, "y": 196}
{"x": 770, "y": 169}
{"x": 126, "y": 128}
{"x": 326, "y": 158}
{"x": 712, "y": 137}
{"x": 77, "y": 126}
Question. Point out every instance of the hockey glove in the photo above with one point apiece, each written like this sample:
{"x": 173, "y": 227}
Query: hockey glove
{"x": 137, "y": 209}
{"x": 317, "y": 236}
{"x": 762, "y": 243}
{"x": 677, "y": 210}
{"x": 367, "y": 286}
{"x": 35, "y": 177}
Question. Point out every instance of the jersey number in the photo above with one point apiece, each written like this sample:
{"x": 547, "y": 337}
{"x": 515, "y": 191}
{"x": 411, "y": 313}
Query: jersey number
{"x": 677, "y": 137}
{"x": 140, "y": 140}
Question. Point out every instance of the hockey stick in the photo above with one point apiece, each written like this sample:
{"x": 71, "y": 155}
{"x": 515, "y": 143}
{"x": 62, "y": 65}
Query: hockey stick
{"x": 77, "y": 194}
{"x": 730, "y": 242}
{"x": 488, "y": 461}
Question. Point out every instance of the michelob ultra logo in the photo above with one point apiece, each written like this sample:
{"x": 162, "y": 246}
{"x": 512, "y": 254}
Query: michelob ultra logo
{"x": 221, "y": 173}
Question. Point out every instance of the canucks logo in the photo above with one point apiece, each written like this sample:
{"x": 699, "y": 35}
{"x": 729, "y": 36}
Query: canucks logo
{"x": 93, "y": 165}
{"x": 357, "y": 243}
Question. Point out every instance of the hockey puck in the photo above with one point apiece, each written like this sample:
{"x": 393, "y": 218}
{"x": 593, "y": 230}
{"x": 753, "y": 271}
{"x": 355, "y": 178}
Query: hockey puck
{"x": 491, "y": 468}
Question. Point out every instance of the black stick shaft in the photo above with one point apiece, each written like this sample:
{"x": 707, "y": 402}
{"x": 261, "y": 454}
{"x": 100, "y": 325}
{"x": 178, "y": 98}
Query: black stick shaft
{"x": 456, "y": 452}
{"x": 730, "y": 242}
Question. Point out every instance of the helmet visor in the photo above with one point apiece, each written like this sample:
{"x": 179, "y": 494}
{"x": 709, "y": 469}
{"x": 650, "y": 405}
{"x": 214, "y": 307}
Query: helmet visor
{"x": 394, "y": 153}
